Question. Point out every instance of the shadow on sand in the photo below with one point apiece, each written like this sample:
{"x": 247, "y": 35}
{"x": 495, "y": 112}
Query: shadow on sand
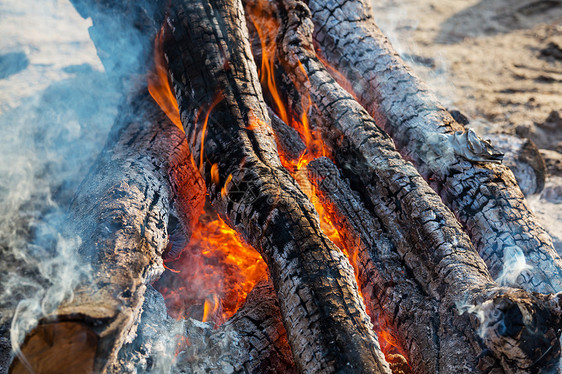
{"x": 491, "y": 17}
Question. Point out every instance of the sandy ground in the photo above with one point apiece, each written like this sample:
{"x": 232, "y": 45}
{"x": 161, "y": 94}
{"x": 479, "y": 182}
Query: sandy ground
{"x": 497, "y": 61}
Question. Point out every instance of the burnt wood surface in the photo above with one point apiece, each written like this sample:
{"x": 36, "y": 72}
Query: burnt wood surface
{"x": 288, "y": 140}
{"x": 427, "y": 235}
{"x": 252, "y": 341}
{"x": 121, "y": 213}
{"x": 392, "y": 293}
{"x": 484, "y": 196}
{"x": 215, "y": 79}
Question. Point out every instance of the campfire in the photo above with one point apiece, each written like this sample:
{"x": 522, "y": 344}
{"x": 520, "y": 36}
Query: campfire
{"x": 282, "y": 194}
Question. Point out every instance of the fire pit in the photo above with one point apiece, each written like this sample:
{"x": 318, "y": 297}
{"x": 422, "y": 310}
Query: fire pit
{"x": 315, "y": 209}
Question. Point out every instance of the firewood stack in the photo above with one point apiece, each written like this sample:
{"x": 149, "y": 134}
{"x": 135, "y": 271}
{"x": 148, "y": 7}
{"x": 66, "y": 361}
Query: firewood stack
{"x": 280, "y": 109}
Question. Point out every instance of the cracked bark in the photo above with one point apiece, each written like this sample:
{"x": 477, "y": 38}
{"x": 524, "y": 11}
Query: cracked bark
{"x": 427, "y": 236}
{"x": 212, "y": 68}
{"x": 392, "y": 293}
{"x": 121, "y": 213}
{"x": 252, "y": 341}
{"x": 484, "y": 196}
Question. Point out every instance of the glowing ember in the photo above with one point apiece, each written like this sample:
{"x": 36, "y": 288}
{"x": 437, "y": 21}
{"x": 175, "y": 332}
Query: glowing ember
{"x": 216, "y": 270}
{"x": 267, "y": 30}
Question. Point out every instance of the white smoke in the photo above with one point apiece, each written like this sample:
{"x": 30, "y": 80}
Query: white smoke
{"x": 399, "y": 21}
{"x": 514, "y": 264}
{"x": 56, "y": 109}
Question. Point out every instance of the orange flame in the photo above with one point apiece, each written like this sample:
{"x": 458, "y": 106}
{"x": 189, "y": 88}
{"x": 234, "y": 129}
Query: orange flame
{"x": 224, "y": 189}
{"x": 218, "y": 98}
{"x": 207, "y": 307}
{"x": 216, "y": 261}
{"x": 159, "y": 85}
{"x": 215, "y": 173}
{"x": 267, "y": 30}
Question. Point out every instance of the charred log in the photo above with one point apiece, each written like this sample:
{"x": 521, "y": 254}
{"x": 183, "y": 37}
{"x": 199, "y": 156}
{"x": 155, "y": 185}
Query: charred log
{"x": 121, "y": 213}
{"x": 252, "y": 341}
{"x": 394, "y": 295}
{"x": 427, "y": 236}
{"x": 212, "y": 68}
{"x": 288, "y": 139}
{"x": 483, "y": 195}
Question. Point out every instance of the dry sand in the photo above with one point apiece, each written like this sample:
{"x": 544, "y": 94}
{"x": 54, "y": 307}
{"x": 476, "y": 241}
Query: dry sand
{"x": 499, "y": 62}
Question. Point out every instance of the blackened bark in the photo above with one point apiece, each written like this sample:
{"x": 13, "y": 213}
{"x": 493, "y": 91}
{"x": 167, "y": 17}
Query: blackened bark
{"x": 288, "y": 139}
{"x": 427, "y": 235}
{"x": 215, "y": 79}
{"x": 484, "y": 196}
{"x": 252, "y": 341}
{"x": 121, "y": 213}
{"x": 389, "y": 288}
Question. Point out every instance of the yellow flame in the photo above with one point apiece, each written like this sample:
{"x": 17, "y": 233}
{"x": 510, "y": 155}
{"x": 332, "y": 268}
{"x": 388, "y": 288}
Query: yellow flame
{"x": 224, "y": 189}
{"x": 215, "y": 173}
{"x": 215, "y": 102}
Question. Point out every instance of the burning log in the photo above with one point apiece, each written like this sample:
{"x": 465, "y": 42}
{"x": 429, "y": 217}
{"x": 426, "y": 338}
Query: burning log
{"x": 483, "y": 194}
{"x": 252, "y": 341}
{"x": 121, "y": 212}
{"x": 395, "y": 296}
{"x": 227, "y": 125}
{"x": 288, "y": 139}
{"x": 427, "y": 236}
